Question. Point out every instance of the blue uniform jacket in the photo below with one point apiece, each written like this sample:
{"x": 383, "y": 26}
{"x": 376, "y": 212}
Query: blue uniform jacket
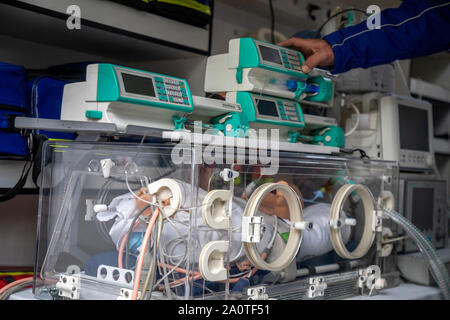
{"x": 416, "y": 28}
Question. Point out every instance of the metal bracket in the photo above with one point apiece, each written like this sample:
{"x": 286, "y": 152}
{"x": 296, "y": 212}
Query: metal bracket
{"x": 252, "y": 229}
{"x": 317, "y": 286}
{"x": 257, "y": 293}
{"x": 69, "y": 287}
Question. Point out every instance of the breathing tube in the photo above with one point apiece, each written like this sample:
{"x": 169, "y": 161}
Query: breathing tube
{"x": 437, "y": 268}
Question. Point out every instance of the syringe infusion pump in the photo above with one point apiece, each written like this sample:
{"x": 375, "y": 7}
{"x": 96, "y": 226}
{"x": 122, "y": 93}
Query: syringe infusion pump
{"x": 260, "y": 67}
{"x": 268, "y": 82}
{"x": 123, "y": 96}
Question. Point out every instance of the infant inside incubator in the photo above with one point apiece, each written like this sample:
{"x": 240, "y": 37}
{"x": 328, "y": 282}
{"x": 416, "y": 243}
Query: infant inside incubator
{"x": 177, "y": 244}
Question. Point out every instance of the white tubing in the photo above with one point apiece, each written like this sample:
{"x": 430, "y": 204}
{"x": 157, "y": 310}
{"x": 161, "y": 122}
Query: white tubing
{"x": 295, "y": 236}
{"x": 368, "y": 233}
{"x": 352, "y": 130}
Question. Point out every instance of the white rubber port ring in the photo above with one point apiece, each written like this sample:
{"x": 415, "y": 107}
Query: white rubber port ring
{"x": 368, "y": 234}
{"x": 214, "y": 209}
{"x": 295, "y": 236}
{"x": 211, "y": 261}
{"x": 164, "y": 189}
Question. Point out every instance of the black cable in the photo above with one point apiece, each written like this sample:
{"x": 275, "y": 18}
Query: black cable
{"x": 130, "y": 230}
{"x": 272, "y": 22}
{"x": 335, "y": 15}
{"x": 352, "y": 151}
{"x": 362, "y": 153}
{"x": 11, "y": 193}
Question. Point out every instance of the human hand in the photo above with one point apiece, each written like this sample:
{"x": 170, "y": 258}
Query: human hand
{"x": 317, "y": 52}
{"x": 140, "y": 204}
{"x": 274, "y": 203}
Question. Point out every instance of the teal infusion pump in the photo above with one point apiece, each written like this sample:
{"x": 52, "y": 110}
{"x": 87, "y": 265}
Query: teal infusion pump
{"x": 268, "y": 112}
{"x": 264, "y": 68}
{"x": 264, "y": 110}
{"x": 125, "y": 96}
{"x": 254, "y": 53}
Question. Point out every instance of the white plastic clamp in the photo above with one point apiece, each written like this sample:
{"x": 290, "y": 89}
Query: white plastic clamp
{"x": 303, "y": 225}
{"x": 69, "y": 286}
{"x": 107, "y": 165}
{"x": 386, "y": 199}
{"x": 257, "y": 293}
{"x": 386, "y": 248}
{"x": 317, "y": 286}
{"x": 371, "y": 278}
{"x": 350, "y": 222}
{"x": 252, "y": 229}
{"x": 335, "y": 223}
{"x": 125, "y": 294}
{"x": 377, "y": 220}
{"x": 338, "y": 223}
{"x": 228, "y": 174}
{"x": 100, "y": 208}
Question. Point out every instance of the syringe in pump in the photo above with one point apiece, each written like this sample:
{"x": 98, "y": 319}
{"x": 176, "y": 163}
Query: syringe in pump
{"x": 318, "y": 89}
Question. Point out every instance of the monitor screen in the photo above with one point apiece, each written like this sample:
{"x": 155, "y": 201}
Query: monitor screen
{"x": 422, "y": 208}
{"x": 266, "y": 108}
{"x": 413, "y": 128}
{"x": 270, "y": 55}
{"x": 18, "y": 229}
{"x": 138, "y": 85}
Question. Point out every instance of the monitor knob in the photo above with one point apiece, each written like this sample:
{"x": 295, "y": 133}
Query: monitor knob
{"x": 429, "y": 160}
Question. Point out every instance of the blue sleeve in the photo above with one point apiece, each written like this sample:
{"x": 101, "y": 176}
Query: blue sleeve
{"x": 416, "y": 28}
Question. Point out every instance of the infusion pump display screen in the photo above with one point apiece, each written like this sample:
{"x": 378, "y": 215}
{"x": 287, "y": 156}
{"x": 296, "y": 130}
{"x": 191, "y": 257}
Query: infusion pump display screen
{"x": 413, "y": 128}
{"x": 150, "y": 88}
{"x": 278, "y": 111}
{"x": 267, "y": 108}
{"x": 270, "y": 54}
{"x": 138, "y": 85}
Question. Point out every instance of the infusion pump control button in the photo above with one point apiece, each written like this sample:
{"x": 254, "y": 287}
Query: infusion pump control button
{"x": 291, "y": 60}
{"x": 172, "y": 90}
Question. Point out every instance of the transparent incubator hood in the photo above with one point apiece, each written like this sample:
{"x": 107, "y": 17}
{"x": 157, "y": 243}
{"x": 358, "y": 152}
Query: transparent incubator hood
{"x": 128, "y": 221}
